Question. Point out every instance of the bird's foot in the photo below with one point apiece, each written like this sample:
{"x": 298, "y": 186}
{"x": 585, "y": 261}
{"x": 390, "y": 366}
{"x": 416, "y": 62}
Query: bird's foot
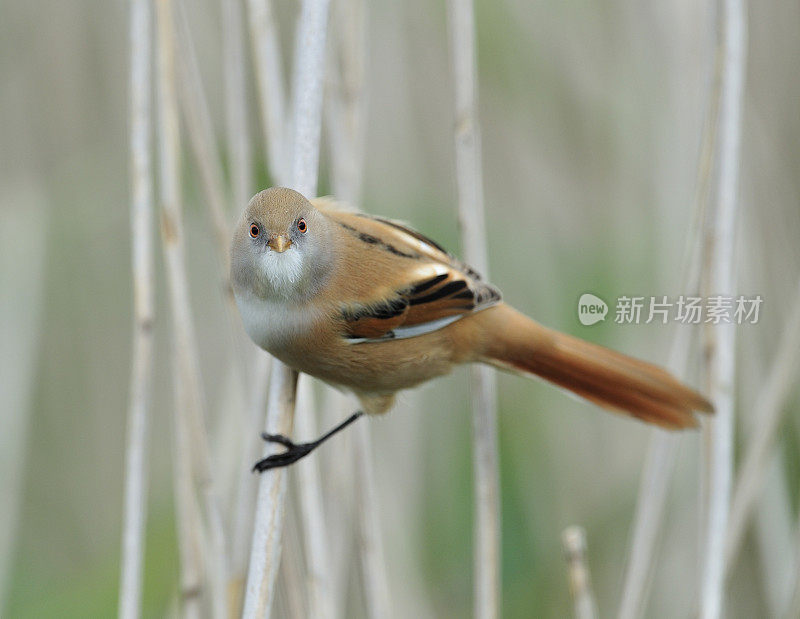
{"x": 296, "y": 451}
{"x": 278, "y": 438}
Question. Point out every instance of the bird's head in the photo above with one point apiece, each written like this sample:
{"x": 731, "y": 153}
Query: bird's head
{"x": 281, "y": 247}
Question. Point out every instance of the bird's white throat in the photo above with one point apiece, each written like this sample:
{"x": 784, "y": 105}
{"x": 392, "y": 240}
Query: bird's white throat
{"x": 273, "y": 316}
{"x": 282, "y": 270}
{"x": 273, "y": 323}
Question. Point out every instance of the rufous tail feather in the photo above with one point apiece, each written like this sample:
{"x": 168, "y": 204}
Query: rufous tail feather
{"x": 603, "y": 376}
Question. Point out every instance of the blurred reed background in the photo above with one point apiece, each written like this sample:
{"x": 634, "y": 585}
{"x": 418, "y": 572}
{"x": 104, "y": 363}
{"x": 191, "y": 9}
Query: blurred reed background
{"x": 592, "y": 116}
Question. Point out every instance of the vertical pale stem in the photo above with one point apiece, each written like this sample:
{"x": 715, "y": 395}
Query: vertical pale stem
{"x": 487, "y": 493}
{"x": 187, "y": 511}
{"x": 573, "y": 540}
{"x": 653, "y": 488}
{"x": 201, "y": 135}
{"x": 318, "y": 581}
{"x": 247, "y": 485}
{"x": 307, "y": 88}
{"x": 473, "y": 234}
{"x": 346, "y": 107}
{"x": 271, "y": 91}
{"x": 722, "y": 280}
{"x": 201, "y": 132}
{"x": 206, "y": 153}
{"x": 654, "y": 483}
{"x": 376, "y": 580}
{"x": 774, "y": 526}
{"x": 307, "y": 93}
{"x": 238, "y": 136}
{"x": 266, "y": 544}
{"x": 271, "y": 96}
{"x": 794, "y": 603}
{"x": 769, "y": 407}
{"x": 23, "y": 259}
{"x": 341, "y": 499}
{"x": 291, "y": 591}
{"x": 204, "y": 146}
{"x": 239, "y": 155}
{"x": 192, "y": 454}
{"x": 773, "y": 518}
{"x": 135, "y": 501}
{"x": 346, "y": 121}
{"x": 187, "y": 518}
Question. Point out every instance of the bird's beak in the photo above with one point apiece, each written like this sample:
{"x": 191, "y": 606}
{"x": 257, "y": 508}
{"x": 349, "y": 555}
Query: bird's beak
{"x": 279, "y": 243}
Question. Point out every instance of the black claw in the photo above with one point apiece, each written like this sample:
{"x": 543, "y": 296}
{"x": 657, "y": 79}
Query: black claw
{"x": 290, "y": 456}
{"x": 295, "y": 451}
{"x": 278, "y": 438}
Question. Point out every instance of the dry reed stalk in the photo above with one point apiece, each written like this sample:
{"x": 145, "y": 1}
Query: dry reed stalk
{"x": 206, "y": 153}
{"x": 773, "y": 517}
{"x": 662, "y": 451}
{"x": 345, "y": 113}
{"x": 268, "y": 526}
{"x": 721, "y": 341}
{"x": 340, "y": 496}
{"x": 652, "y": 498}
{"x": 308, "y": 93}
{"x": 793, "y": 610}
{"x": 270, "y": 91}
{"x": 346, "y": 104}
{"x": 23, "y": 264}
{"x": 307, "y": 89}
{"x": 486, "y": 555}
{"x": 245, "y": 497}
{"x": 186, "y": 509}
{"x": 192, "y": 454}
{"x": 270, "y": 82}
{"x": 774, "y": 525}
{"x": 318, "y": 577}
{"x": 201, "y": 134}
{"x": 239, "y": 147}
{"x": 573, "y": 540}
{"x": 373, "y": 562}
{"x": 769, "y": 408}
{"x": 290, "y": 588}
{"x": 236, "y": 126}
{"x": 140, "y": 396}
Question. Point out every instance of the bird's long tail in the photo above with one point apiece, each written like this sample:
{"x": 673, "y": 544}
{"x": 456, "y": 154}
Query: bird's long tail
{"x": 605, "y": 377}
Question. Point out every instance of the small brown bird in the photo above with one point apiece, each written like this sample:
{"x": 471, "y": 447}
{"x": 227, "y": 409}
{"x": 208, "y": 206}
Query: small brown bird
{"x": 372, "y": 306}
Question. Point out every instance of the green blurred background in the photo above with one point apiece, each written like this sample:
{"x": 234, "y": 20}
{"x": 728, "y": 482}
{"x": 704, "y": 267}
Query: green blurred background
{"x": 591, "y": 115}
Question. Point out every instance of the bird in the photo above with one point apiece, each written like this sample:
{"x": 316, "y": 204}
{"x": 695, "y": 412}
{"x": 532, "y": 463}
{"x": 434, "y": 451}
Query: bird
{"x": 371, "y": 306}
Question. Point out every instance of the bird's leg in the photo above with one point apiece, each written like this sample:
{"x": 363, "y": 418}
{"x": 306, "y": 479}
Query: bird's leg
{"x": 295, "y": 451}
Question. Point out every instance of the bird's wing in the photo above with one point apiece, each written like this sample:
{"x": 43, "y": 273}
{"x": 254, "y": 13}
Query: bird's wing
{"x": 400, "y": 283}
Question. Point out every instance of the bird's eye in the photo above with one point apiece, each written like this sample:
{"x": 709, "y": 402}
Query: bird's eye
{"x": 254, "y": 231}
{"x": 301, "y": 225}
